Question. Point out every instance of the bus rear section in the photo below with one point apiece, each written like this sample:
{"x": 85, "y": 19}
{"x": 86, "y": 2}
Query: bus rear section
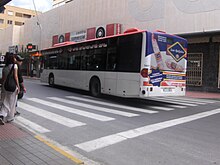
{"x": 163, "y": 68}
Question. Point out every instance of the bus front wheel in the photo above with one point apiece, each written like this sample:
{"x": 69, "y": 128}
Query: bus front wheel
{"x": 95, "y": 87}
{"x": 51, "y": 80}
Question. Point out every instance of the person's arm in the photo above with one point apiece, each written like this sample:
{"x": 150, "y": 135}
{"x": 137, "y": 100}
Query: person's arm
{"x": 16, "y": 78}
{"x": 20, "y": 80}
{"x": 22, "y": 85}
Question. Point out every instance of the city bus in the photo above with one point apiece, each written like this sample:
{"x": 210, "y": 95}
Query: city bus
{"x": 136, "y": 64}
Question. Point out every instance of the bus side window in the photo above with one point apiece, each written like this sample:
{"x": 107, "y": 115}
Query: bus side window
{"x": 99, "y": 59}
{"x": 62, "y": 61}
{"x": 85, "y": 61}
{"x": 112, "y": 54}
{"x": 129, "y": 55}
{"x": 111, "y": 61}
{"x": 46, "y": 62}
{"x": 52, "y": 61}
{"x": 74, "y": 61}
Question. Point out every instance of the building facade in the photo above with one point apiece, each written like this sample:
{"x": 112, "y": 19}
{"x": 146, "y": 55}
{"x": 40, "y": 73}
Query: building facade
{"x": 15, "y": 16}
{"x": 195, "y": 20}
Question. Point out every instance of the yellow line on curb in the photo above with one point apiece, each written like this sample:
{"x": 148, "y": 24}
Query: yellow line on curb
{"x": 64, "y": 153}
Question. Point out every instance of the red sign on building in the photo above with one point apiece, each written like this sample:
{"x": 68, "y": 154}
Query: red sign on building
{"x": 91, "y": 33}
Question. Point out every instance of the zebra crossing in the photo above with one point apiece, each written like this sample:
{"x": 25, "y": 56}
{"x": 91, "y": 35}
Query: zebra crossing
{"x": 73, "y": 105}
{"x": 55, "y": 102}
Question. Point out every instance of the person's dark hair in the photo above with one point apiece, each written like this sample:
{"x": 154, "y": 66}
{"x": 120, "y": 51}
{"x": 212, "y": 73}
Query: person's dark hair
{"x": 9, "y": 58}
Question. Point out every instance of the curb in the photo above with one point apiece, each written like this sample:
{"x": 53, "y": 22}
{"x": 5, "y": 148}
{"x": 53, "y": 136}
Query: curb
{"x": 32, "y": 78}
{"x": 58, "y": 149}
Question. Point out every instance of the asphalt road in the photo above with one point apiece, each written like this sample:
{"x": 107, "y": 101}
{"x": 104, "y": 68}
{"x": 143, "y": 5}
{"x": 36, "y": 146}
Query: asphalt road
{"x": 117, "y": 131}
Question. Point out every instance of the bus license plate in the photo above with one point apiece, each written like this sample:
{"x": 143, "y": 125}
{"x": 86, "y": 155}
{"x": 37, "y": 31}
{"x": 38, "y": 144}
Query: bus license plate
{"x": 167, "y": 89}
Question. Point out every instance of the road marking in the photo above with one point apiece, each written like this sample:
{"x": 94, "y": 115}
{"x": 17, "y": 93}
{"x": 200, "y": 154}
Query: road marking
{"x": 102, "y": 109}
{"x": 113, "y": 105}
{"x": 122, "y": 136}
{"x": 181, "y": 101}
{"x": 61, "y": 151}
{"x": 162, "y": 108}
{"x": 30, "y": 125}
{"x": 177, "y": 106}
{"x": 72, "y": 110}
{"x": 173, "y": 102}
{"x": 51, "y": 116}
{"x": 192, "y": 99}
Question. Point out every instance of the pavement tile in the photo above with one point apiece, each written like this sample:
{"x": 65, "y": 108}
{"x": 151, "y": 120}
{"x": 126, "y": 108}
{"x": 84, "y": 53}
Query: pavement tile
{"x": 204, "y": 95}
{"x": 9, "y": 131}
{"x": 18, "y": 147}
{"x": 3, "y": 161}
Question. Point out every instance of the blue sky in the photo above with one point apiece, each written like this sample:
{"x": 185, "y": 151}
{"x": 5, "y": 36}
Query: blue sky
{"x": 41, "y": 5}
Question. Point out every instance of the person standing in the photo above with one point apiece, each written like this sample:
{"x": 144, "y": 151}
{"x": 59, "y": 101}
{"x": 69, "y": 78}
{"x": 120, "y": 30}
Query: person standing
{"x": 9, "y": 99}
{"x": 19, "y": 61}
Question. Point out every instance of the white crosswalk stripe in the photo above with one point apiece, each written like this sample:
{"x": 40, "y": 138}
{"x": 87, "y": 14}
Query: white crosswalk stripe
{"x": 113, "y": 105}
{"x": 173, "y": 102}
{"x": 51, "y": 116}
{"x": 177, "y": 106}
{"x": 30, "y": 125}
{"x": 181, "y": 101}
{"x": 72, "y": 110}
{"x": 97, "y": 108}
{"x": 161, "y": 108}
{"x": 190, "y": 99}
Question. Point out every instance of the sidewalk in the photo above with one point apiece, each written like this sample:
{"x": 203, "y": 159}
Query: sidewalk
{"x": 32, "y": 78}
{"x": 205, "y": 95}
{"x": 18, "y": 147}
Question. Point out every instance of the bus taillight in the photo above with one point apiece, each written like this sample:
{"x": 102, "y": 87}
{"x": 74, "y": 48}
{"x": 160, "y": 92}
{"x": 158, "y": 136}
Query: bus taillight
{"x": 144, "y": 73}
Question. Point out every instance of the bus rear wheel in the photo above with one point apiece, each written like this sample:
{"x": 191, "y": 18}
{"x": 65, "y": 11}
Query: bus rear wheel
{"x": 51, "y": 80}
{"x": 95, "y": 87}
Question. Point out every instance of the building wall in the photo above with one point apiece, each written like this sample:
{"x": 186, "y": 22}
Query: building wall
{"x": 173, "y": 16}
{"x": 10, "y": 37}
{"x": 16, "y": 15}
{"x": 10, "y": 34}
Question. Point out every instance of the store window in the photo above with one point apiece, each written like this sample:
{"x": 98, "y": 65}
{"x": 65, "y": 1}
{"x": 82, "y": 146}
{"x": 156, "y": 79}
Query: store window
{"x": 194, "y": 69}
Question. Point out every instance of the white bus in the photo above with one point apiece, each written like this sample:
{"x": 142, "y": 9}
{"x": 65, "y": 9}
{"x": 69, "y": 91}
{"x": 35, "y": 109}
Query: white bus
{"x": 135, "y": 64}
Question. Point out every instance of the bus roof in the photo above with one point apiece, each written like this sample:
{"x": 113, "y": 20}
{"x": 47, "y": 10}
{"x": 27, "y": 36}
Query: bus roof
{"x": 126, "y": 32}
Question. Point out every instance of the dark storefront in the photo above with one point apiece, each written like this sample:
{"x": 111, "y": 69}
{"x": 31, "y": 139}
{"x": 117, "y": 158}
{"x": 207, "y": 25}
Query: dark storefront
{"x": 203, "y": 62}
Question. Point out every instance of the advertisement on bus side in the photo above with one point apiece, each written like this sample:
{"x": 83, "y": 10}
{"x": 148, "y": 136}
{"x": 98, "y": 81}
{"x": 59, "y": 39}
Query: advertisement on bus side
{"x": 168, "y": 56}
